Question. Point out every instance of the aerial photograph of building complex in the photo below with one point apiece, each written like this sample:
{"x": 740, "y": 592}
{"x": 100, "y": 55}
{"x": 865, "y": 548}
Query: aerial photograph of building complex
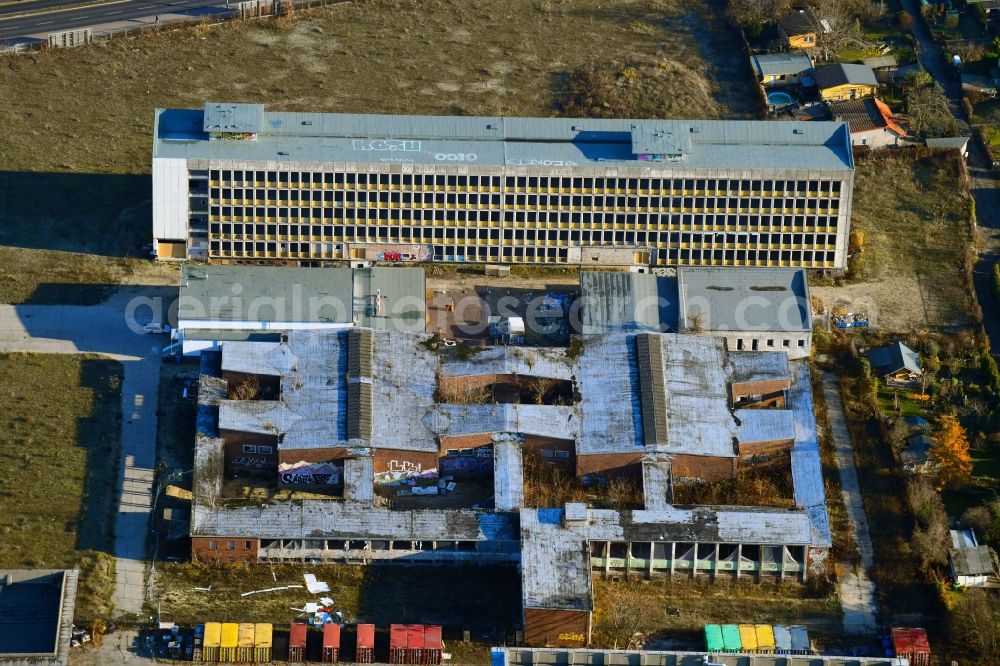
{"x": 530, "y": 333}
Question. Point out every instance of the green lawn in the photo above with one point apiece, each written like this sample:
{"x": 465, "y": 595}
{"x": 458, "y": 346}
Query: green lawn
{"x": 908, "y": 406}
{"x": 60, "y": 423}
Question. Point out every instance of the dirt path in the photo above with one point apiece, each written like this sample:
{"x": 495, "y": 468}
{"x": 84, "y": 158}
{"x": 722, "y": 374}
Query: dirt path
{"x": 856, "y": 589}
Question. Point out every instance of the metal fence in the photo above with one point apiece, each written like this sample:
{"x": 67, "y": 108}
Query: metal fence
{"x": 248, "y": 9}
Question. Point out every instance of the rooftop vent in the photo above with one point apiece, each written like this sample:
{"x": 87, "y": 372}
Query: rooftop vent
{"x": 577, "y": 128}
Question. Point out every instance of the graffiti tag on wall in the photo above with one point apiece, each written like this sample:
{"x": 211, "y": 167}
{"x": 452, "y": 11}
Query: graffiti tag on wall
{"x": 324, "y": 473}
{"x": 403, "y": 470}
{"x": 252, "y": 462}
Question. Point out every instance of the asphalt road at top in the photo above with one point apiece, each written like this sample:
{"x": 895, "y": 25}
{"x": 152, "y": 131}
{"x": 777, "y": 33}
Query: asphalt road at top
{"x": 55, "y": 19}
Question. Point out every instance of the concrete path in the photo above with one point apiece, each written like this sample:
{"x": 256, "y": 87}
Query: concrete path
{"x": 856, "y": 589}
{"x": 102, "y": 329}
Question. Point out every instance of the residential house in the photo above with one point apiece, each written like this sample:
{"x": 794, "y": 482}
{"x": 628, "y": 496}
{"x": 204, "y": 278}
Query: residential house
{"x": 781, "y": 69}
{"x": 872, "y": 123}
{"x": 845, "y": 81}
{"x": 972, "y": 565}
{"x": 798, "y": 29}
{"x": 884, "y": 67}
{"x": 990, "y": 8}
{"x": 895, "y": 362}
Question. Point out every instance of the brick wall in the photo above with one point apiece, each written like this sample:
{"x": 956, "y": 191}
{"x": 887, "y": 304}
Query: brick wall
{"x": 742, "y": 390}
{"x": 237, "y": 437}
{"x": 557, "y": 628}
{"x": 392, "y": 460}
{"x": 536, "y": 445}
{"x": 288, "y": 456}
{"x": 222, "y": 549}
{"x": 610, "y": 465}
{"x": 703, "y": 467}
{"x": 465, "y": 441}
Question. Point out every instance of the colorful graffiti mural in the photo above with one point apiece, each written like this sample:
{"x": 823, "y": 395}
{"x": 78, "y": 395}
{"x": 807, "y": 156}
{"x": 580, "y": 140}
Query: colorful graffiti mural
{"x": 323, "y": 473}
{"x": 402, "y": 471}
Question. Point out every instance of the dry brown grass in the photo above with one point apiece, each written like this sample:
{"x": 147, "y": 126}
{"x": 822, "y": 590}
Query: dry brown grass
{"x": 763, "y": 484}
{"x": 547, "y": 486}
{"x": 912, "y": 209}
{"x": 75, "y": 150}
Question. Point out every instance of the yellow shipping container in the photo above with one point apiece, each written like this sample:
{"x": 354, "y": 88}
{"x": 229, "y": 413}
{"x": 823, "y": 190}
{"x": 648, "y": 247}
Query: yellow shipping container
{"x": 748, "y": 637}
{"x": 765, "y": 638}
{"x": 244, "y": 647}
{"x": 262, "y": 642}
{"x": 230, "y": 639}
{"x": 212, "y": 639}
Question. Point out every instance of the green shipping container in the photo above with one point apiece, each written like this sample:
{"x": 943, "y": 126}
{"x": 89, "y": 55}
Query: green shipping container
{"x": 713, "y": 638}
{"x": 731, "y": 638}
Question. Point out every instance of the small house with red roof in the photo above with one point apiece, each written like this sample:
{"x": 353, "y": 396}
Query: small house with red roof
{"x": 871, "y": 121}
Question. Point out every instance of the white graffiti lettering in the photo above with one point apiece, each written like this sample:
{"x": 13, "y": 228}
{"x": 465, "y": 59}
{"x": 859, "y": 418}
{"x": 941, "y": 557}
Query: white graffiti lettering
{"x": 456, "y": 157}
{"x": 530, "y": 162}
{"x": 393, "y": 145}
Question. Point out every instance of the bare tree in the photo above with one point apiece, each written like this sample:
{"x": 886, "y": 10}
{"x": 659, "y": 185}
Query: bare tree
{"x": 975, "y": 624}
{"x": 928, "y": 110}
{"x": 758, "y": 11}
{"x": 837, "y": 28}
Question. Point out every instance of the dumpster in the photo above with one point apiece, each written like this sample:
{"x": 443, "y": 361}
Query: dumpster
{"x": 748, "y": 638}
{"x": 415, "y": 644}
{"x": 365, "y": 653}
{"x": 263, "y": 642}
{"x": 800, "y": 640}
{"x": 713, "y": 638}
{"x": 398, "y": 644}
{"x": 297, "y": 642}
{"x": 432, "y": 644}
{"x": 331, "y": 643}
{"x": 228, "y": 642}
{"x": 782, "y": 639}
{"x": 210, "y": 646}
{"x": 244, "y": 643}
{"x": 731, "y": 638}
{"x": 765, "y": 638}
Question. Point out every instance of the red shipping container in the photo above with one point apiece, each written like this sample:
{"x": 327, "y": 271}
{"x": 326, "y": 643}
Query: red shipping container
{"x": 331, "y": 643}
{"x": 415, "y": 643}
{"x": 911, "y": 643}
{"x": 398, "y": 635}
{"x": 297, "y": 642}
{"x": 365, "y": 653}
{"x": 432, "y": 644}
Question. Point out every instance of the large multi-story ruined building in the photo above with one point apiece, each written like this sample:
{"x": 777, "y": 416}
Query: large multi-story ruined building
{"x": 233, "y": 183}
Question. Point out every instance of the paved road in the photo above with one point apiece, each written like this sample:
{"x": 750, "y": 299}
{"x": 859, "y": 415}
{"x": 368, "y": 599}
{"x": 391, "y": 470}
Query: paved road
{"x": 122, "y": 11}
{"x": 985, "y": 186}
{"x": 102, "y": 329}
{"x": 856, "y": 589}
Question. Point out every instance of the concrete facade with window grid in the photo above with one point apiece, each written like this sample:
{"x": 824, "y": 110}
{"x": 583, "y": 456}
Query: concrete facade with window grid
{"x": 310, "y": 188}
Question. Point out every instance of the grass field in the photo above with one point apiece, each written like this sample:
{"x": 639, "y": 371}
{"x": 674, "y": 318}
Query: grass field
{"x": 678, "y": 611}
{"x": 452, "y": 596}
{"x": 60, "y": 421}
{"x": 75, "y": 151}
{"x": 912, "y": 210}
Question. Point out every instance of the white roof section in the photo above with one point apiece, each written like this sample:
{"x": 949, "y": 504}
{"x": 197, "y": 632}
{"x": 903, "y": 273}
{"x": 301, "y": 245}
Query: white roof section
{"x": 697, "y": 374}
{"x": 807, "y": 469}
{"x": 765, "y": 425}
{"x": 508, "y": 475}
{"x": 524, "y": 361}
{"x": 555, "y": 421}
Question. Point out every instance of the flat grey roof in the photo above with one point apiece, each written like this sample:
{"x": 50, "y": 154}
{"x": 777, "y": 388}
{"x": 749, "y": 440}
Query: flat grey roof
{"x": 840, "y": 74}
{"x": 36, "y": 615}
{"x": 288, "y": 138}
{"x": 233, "y": 118}
{"x": 775, "y": 64}
{"x": 619, "y": 301}
{"x": 744, "y": 299}
{"x": 382, "y": 298}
